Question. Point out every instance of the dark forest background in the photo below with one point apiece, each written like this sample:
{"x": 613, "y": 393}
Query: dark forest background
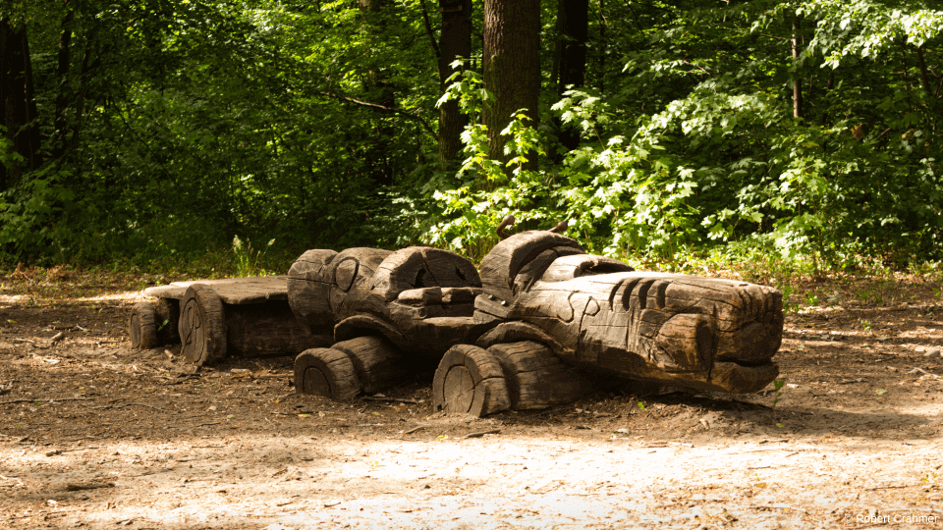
{"x": 139, "y": 130}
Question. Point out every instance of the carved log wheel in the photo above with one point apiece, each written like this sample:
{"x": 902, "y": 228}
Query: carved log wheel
{"x": 202, "y": 326}
{"x": 326, "y": 372}
{"x": 168, "y": 320}
{"x": 143, "y": 326}
{"x": 536, "y": 377}
{"x": 377, "y": 364}
{"x": 469, "y": 380}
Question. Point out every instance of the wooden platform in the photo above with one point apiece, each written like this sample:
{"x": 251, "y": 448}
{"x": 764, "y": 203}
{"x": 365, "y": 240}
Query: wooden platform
{"x": 234, "y": 291}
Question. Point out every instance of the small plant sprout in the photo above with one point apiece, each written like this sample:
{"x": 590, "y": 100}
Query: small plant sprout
{"x": 866, "y": 325}
{"x": 641, "y": 405}
{"x": 778, "y": 386}
{"x": 811, "y": 299}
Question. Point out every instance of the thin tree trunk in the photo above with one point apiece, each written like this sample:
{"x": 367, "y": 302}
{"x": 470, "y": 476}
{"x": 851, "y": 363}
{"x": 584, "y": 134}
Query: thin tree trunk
{"x": 380, "y": 92}
{"x": 570, "y": 59}
{"x": 16, "y": 101}
{"x": 62, "y": 77}
{"x": 454, "y": 42}
{"x": 924, "y": 80}
{"x": 512, "y": 66}
{"x": 796, "y": 79}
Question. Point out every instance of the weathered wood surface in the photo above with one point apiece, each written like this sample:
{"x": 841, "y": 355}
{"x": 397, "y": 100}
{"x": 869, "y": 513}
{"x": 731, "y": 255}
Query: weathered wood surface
{"x": 326, "y": 372}
{"x": 262, "y": 330}
{"x": 152, "y": 324}
{"x": 233, "y": 291}
{"x": 379, "y": 366}
{"x": 537, "y": 378}
{"x": 470, "y": 380}
{"x": 308, "y": 291}
{"x": 142, "y": 325}
{"x": 540, "y": 308}
{"x": 420, "y": 299}
{"x": 202, "y": 326}
{"x": 393, "y": 313}
{"x": 211, "y": 331}
{"x": 363, "y": 364}
{"x": 682, "y": 330}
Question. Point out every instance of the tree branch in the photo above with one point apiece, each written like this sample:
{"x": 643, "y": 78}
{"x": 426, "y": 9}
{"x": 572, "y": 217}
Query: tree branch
{"x": 424, "y": 123}
{"x": 425, "y": 19}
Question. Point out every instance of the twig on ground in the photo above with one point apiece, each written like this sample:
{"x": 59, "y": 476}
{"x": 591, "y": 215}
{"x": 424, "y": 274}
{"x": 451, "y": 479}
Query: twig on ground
{"x": 40, "y": 400}
{"x": 392, "y": 400}
{"x": 482, "y": 433}
{"x": 89, "y": 486}
{"x": 415, "y": 429}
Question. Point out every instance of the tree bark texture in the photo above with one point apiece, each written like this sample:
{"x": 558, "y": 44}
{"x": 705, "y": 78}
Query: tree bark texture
{"x": 454, "y": 42}
{"x": 512, "y": 66}
{"x": 16, "y": 100}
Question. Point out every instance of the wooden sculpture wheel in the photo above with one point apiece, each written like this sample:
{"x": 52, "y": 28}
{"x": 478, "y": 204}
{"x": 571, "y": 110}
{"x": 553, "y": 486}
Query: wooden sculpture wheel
{"x": 469, "y": 380}
{"x": 326, "y": 372}
{"x": 143, "y": 326}
{"x": 366, "y": 364}
{"x": 202, "y": 326}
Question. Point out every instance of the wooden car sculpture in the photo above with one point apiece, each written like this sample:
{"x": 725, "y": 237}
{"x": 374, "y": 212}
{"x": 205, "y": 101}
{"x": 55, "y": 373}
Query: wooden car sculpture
{"x": 543, "y": 324}
{"x": 392, "y": 314}
{"x": 545, "y": 300}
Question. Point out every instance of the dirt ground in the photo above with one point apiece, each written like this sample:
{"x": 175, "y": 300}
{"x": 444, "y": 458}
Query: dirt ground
{"x": 96, "y": 435}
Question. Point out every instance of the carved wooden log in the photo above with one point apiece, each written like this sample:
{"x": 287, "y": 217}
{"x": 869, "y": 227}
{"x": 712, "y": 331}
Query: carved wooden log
{"x": 142, "y": 325}
{"x": 152, "y": 324}
{"x": 266, "y": 329}
{"x": 420, "y": 299}
{"x": 326, "y": 372}
{"x": 202, "y": 325}
{"x": 242, "y": 316}
{"x": 308, "y": 293}
{"x": 536, "y": 378}
{"x": 378, "y": 365}
{"x": 364, "y": 364}
{"x": 668, "y": 328}
{"x": 470, "y": 380}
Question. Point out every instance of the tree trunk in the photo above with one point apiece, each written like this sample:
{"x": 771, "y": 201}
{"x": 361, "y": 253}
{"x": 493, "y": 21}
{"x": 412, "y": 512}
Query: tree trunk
{"x": 512, "y": 66}
{"x": 16, "y": 101}
{"x": 380, "y": 92}
{"x": 570, "y": 59}
{"x": 454, "y": 42}
{"x": 60, "y": 121}
{"x": 796, "y": 80}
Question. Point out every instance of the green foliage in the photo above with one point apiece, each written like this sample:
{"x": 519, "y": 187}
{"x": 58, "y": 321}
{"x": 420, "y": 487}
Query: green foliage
{"x": 177, "y": 126}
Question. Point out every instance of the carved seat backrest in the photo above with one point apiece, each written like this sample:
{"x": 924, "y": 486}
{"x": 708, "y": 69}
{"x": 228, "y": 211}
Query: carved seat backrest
{"x": 422, "y": 267}
{"x": 519, "y": 260}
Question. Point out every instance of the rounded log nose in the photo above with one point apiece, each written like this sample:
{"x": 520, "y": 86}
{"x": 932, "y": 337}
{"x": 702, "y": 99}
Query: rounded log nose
{"x": 753, "y": 344}
{"x": 739, "y": 379}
